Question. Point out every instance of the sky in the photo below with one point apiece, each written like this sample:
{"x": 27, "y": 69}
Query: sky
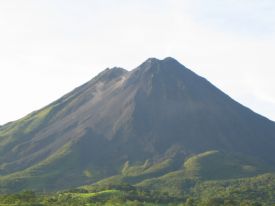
{"x": 47, "y": 48}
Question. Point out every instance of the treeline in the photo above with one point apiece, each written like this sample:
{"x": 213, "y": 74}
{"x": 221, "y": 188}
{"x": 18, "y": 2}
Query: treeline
{"x": 130, "y": 198}
{"x": 258, "y": 191}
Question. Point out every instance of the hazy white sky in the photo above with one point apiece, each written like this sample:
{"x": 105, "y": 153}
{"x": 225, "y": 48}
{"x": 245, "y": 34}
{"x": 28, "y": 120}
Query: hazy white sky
{"x": 47, "y": 48}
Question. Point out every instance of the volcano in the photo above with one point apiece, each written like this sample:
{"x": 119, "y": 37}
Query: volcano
{"x": 152, "y": 118}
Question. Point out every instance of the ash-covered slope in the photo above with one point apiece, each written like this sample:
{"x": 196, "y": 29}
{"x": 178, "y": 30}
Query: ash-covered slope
{"x": 159, "y": 110}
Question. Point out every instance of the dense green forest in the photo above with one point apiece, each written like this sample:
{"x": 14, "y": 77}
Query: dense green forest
{"x": 254, "y": 191}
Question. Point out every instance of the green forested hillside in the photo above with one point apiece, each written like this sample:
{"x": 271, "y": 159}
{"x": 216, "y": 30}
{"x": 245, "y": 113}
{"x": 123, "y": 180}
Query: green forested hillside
{"x": 207, "y": 179}
{"x": 255, "y": 191}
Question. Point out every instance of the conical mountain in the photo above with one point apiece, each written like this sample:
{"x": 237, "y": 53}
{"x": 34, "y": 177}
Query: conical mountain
{"x": 160, "y": 110}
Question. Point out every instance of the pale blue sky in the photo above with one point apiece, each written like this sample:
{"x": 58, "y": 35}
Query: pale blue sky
{"x": 249, "y": 17}
{"x": 47, "y": 48}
